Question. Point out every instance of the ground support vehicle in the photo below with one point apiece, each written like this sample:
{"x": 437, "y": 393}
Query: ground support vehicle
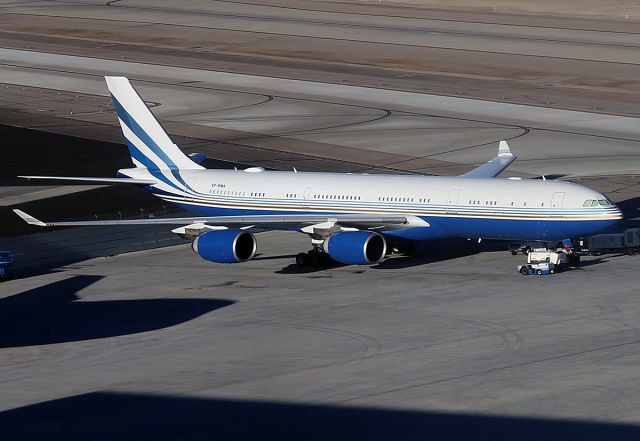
{"x": 627, "y": 241}
{"x": 541, "y": 269}
{"x": 542, "y": 261}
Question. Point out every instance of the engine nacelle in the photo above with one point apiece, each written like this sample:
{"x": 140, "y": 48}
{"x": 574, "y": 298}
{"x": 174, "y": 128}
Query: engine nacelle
{"x": 356, "y": 247}
{"x": 225, "y": 246}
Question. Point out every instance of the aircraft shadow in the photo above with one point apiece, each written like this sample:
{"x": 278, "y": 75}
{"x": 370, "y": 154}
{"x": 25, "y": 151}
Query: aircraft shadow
{"x": 53, "y": 314}
{"x": 630, "y": 208}
{"x": 293, "y": 268}
{"x": 121, "y": 416}
{"x": 423, "y": 253}
{"x": 440, "y": 250}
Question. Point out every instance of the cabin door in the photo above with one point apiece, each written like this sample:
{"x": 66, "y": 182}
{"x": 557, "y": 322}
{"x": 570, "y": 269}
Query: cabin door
{"x": 307, "y": 196}
{"x": 557, "y": 200}
{"x": 452, "y": 200}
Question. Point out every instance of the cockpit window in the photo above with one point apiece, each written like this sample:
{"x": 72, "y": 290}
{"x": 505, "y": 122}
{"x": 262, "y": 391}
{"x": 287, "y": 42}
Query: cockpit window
{"x": 587, "y": 203}
{"x": 594, "y": 203}
{"x": 604, "y": 202}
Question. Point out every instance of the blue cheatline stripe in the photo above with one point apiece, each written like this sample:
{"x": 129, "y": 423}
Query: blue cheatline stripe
{"x": 242, "y": 205}
{"x": 206, "y": 198}
{"x": 149, "y": 142}
{"x": 526, "y": 229}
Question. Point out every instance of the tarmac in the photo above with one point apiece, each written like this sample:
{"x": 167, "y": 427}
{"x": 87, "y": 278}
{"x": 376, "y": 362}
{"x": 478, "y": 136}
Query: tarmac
{"x": 451, "y": 343}
{"x": 123, "y": 346}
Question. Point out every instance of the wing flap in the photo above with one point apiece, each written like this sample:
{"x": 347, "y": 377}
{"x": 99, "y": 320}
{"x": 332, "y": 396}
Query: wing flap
{"x": 494, "y": 167}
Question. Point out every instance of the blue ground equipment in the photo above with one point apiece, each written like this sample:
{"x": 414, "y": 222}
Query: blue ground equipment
{"x": 6, "y": 265}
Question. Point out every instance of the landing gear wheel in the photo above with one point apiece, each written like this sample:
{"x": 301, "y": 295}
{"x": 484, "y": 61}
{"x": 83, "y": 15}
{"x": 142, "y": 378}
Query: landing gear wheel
{"x": 302, "y": 259}
{"x": 524, "y": 271}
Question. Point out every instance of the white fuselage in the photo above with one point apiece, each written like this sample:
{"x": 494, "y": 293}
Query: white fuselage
{"x": 452, "y": 206}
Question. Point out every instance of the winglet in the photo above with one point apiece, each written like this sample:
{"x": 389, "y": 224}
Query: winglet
{"x": 29, "y": 219}
{"x": 504, "y": 150}
{"x": 494, "y": 167}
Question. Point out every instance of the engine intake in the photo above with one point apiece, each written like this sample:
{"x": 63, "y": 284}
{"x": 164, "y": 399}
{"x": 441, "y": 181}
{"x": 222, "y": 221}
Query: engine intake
{"x": 225, "y": 246}
{"x": 356, "y": 247}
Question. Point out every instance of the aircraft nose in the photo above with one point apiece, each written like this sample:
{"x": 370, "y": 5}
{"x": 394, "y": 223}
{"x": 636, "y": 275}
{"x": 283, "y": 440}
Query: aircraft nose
{"x": 618, "y": 212}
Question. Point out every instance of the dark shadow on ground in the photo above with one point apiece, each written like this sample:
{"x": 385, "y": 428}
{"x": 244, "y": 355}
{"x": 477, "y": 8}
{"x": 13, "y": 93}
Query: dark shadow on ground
{"x": 440, "y": 250}
{"x": 630, "y": 207}
{"x": 117, "y": 416}
{"x": 53, "y": 314}
{"x": 423, "y": 253}
{"x": 260, "y": 256}
{"x": 293, "y": 268}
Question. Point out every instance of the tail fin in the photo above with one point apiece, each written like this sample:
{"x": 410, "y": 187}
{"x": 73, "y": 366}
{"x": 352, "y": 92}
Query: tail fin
{"x": 149, "y": 145}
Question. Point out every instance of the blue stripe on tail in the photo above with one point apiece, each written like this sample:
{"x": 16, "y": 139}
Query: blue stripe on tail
{"x": 143, "y": 136}
{"x": 131, "y": 123}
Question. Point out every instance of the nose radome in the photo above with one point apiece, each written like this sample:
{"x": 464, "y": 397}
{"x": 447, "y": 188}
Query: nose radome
{"x": 619, "y": 212}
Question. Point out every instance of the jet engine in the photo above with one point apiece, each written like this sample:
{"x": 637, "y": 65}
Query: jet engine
{"x": 356, "y": 247}
{"x": 225, "y": 246}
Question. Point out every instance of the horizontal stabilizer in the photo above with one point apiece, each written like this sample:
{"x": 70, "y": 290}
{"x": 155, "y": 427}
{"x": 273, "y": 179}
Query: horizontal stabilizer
{"x": 101, "y": 180}
{"x": 198, "y": 158}
{"x": 494, "y": 167}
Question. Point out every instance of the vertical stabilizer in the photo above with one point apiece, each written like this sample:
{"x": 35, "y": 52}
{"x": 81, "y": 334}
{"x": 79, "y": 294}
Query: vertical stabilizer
{"x": 149, "y": 145}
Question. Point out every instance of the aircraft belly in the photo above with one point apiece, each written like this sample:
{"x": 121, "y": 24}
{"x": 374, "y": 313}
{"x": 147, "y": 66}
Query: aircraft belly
{"x": 519, "y": 229}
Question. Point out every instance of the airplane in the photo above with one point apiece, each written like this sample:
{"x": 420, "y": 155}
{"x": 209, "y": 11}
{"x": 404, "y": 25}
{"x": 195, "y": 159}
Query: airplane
{"x": 352, "y": 218}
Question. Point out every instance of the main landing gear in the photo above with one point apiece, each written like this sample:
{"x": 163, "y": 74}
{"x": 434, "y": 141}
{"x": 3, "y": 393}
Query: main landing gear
{"x": 314, "y": 257}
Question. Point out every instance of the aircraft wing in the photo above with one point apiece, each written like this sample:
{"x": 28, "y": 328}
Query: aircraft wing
{"x": 494, "y": 167}
{"x": 103, "y": 180}
{"x": 235, "y": 221}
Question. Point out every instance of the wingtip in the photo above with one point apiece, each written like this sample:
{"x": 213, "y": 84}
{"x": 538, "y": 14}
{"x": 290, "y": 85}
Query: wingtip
{"x": 29, "y": 219}
{"x": 504, "y": 150}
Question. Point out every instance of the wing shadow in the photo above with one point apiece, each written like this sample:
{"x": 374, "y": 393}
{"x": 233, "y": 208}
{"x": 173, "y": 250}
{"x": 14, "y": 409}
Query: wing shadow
{"x": 121, "y": 416}
{"x": 52, "y": 314}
